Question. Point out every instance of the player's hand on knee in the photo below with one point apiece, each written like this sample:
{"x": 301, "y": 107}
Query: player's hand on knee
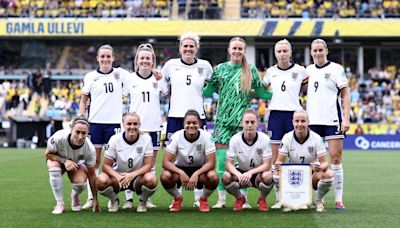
{"x": 245, "y": 179}
{"x": 316, "y": 167}
{"x": 70, "y": 165}
{"x": 184, "y": 178}
{"x": 192, "y": 182}
{"x": 127, "y": 179}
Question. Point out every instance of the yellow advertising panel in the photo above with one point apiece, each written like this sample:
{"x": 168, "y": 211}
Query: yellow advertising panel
{"x": 93, "y": 27}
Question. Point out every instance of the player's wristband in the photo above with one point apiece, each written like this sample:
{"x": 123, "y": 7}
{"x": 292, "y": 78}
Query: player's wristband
{"x": 61, "y": 159}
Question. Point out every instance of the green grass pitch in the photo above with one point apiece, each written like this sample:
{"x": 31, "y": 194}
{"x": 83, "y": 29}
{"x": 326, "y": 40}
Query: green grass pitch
{"x": 371, "y": 196}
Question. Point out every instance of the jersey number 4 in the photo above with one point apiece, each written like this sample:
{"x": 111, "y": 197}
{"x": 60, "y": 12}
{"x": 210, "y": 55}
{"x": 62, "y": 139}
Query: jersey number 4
{"x": 252, "y": 163}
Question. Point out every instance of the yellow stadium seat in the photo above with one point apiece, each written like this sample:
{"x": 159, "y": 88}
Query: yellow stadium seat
{"x": 328, "y": 4}
{"x": 387, "y": 4}
{"x": 161, "y": 3}
{"x": 40, "y": 3}
{"x": 93, "y": 3}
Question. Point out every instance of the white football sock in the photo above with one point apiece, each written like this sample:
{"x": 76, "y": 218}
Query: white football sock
{"x": 109, "y": 193}
{"x": 56, "y": 184}
{"x": 234, "y": 189}
{"x": 197, "y": 194}
{"x": 264, "y": 189}
{"x": 323, "y": 187}
{"x": 174, "y": 192}
{"x": 338, "y": 175}
{"x": 146, "y": 193}
{"x": 77, "y": 188}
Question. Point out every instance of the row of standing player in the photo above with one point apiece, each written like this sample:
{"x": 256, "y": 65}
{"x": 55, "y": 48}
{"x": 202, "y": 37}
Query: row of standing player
{"x": 233, "y": 81}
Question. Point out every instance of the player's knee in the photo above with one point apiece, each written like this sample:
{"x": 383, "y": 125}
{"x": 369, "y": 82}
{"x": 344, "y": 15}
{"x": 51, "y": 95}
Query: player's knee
{"x": 150, "y": 180}
{"x": 166, "y": 177}
{"x": 266, "y": 177}
{"x": 101, "y": 183}
{"x": 327, "y": 174}
{"x": 213, "y": 177}
{"x": 336, "y": 157}
{"x": 226, "y": 178}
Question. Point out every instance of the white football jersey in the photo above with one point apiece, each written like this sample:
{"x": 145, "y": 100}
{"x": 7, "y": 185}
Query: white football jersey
{"x": 191, "y": 154}
{"x": 323, "y": 100}
{"x": 144, "y": 96}
{"x": 59, "y": 144}
{"x": 186, "y": 83}
{"x": 307, "y": 152}
{"x": 128, "y": 157}
{"x": 286, "y": 84}
{"x": 106, "y": 91}
{"x": 249, "y": 156}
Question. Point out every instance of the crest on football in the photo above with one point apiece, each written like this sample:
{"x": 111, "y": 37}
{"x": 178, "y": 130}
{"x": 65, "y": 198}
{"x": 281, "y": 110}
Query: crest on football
{"x": 139, "y": 150}
{"x": 295, "y": 75}
{"x": 295, "y": 177}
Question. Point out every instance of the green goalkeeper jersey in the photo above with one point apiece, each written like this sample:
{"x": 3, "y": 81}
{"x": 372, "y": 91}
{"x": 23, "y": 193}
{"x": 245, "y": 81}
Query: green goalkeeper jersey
{"x": 232, "y": 100}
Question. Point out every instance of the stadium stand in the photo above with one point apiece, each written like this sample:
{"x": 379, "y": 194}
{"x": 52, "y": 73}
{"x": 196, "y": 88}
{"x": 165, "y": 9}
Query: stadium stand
{"x": 319, "y": 9}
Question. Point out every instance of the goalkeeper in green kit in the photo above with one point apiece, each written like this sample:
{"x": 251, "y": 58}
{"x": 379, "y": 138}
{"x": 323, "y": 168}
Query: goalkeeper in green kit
{"x": 233, "y": 81}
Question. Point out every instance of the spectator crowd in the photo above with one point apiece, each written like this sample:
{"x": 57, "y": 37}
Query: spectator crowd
{"x": 375, "y": 101}
{"x": 199, "y": 9}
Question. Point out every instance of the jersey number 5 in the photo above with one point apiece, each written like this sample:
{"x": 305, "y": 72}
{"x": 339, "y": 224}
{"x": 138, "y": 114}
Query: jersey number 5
{"x": 188, "y": 79}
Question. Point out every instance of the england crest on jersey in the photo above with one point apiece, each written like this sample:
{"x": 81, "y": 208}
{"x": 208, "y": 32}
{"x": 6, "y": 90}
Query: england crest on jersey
{"x": 310, "y": 149}
{"x": 259, "y": 151}
{"x": 327, "y": 76}
{"x": 155, "y": 85}
{"x": 198, "y": 148}
{"x": 200, "y": 70}
{"x": 139, "y": 150}
{"x": 295, "y": 75}
{"x": 116, "y": 76}
{"x": 295, "y": 178}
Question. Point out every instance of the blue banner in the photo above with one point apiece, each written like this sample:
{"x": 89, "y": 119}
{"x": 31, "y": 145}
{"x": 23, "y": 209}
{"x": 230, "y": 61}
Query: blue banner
{"x": 372, "y": 142}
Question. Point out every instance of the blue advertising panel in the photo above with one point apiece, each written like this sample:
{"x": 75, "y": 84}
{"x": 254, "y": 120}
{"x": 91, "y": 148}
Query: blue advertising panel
{"x": 372, "y": 142}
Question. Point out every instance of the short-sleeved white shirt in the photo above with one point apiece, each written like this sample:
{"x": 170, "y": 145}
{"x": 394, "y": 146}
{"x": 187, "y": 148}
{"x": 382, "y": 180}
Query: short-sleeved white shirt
{"x": 323, "y": 101}
{"x": 186, "y": 83}
{"x": 106, "y": 91}
{"x": 191, "y": 154}
{"x": 286, "y": 85}
{"x": 144, "y": 96}
{"x": 307, "y": 152}
{"x": 128, "y": 157}
{"x": 249, "y": 156}
{"x": 59, "y": 143}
